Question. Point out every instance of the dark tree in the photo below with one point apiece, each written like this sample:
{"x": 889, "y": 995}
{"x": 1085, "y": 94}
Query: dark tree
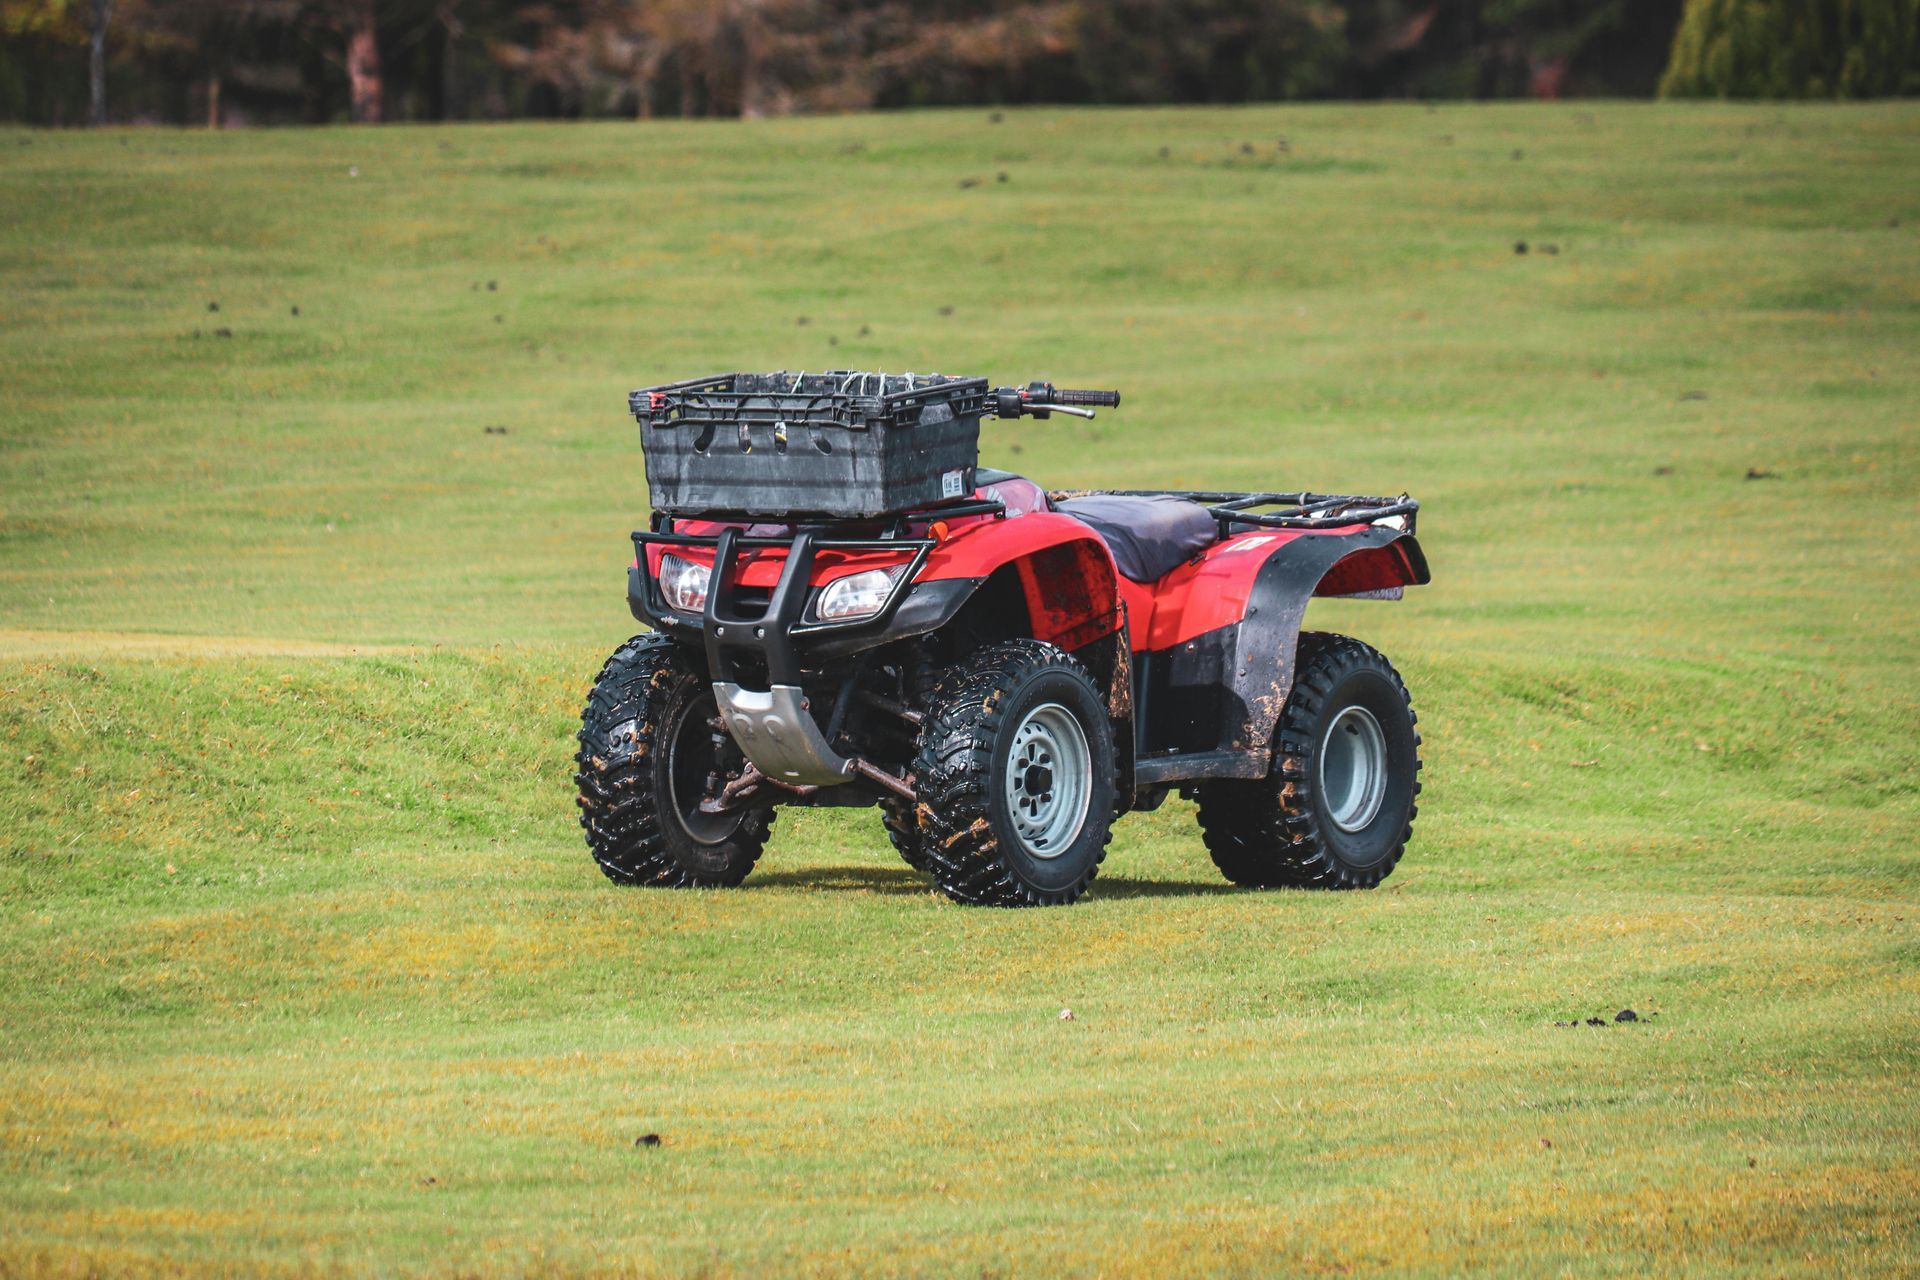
{"x": 1209, "y": 50}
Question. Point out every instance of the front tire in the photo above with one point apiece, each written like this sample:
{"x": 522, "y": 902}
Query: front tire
{"x": 1337, "y": 809}
{"x": 902, "y": 823}
{"x": 1014, "y": 776}
{"x": 647, "y": 748}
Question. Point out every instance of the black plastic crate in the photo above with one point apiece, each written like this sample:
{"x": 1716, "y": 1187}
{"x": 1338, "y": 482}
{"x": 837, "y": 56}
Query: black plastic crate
{"x": 841, "y": 443}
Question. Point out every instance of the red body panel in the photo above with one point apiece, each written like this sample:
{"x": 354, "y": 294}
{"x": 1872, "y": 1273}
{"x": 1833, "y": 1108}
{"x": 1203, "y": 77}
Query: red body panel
{"x": 1066, "y": 573}
{"x": 1213, "y": 590}
{"x": 1068, "y": 576}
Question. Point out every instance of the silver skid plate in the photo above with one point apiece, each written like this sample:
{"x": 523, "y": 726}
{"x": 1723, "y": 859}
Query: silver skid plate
{"x": 775, "y": 731}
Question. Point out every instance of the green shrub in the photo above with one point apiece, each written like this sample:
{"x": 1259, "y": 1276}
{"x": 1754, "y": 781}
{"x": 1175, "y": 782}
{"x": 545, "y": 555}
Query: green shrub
{"x": 1795, "y": 49}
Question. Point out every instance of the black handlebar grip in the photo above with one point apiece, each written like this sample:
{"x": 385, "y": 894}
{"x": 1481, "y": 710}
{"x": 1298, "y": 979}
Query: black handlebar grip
{"x": 1088, "y": 399}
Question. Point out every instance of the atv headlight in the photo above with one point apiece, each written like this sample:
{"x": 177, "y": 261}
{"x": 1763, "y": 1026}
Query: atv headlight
{"x": 858, "y": 595}
{"x": 684, "y": 583}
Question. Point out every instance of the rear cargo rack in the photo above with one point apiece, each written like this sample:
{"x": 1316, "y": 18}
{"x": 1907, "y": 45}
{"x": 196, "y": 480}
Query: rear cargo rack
{"x": 1237, "y": 511}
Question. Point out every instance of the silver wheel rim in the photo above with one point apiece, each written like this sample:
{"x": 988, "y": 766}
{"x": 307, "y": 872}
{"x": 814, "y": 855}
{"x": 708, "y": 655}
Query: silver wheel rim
{"x": 1353, "y": 769}
{"x": 1048, "y": 780}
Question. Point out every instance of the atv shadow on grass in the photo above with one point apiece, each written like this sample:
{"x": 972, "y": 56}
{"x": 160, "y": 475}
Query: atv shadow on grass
{"x": 899, "y": 882}
{"x": 903, "y": 882}
{"x": 1129, "y": 887}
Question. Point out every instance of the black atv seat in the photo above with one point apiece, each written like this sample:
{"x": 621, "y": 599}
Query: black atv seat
{"x": 1149, "y": 537}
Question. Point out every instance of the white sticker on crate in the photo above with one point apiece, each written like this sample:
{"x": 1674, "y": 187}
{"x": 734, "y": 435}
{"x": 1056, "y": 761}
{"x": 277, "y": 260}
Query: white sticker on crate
{"x": 951, "y": 483}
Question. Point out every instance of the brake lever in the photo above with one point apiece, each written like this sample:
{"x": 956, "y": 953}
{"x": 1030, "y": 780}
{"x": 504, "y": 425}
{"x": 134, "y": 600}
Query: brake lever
{"x": 1009, "y": 403}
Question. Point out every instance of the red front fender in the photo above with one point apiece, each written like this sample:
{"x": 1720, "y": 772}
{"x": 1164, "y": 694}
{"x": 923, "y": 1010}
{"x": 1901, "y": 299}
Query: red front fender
{"x": 1066, "y": 574}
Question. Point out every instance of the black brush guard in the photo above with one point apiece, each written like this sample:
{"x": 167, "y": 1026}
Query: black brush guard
{"x": 730, "y": 623}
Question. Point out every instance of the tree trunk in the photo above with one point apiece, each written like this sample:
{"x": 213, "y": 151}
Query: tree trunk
{"x": 753, "y": 84}
{"x": 643, "y": 81}
{"x": 213, "y": 100}
{"x": 363, "y": 64}
{"x": 97, "y": 61}
{"x": 451, "y": 29}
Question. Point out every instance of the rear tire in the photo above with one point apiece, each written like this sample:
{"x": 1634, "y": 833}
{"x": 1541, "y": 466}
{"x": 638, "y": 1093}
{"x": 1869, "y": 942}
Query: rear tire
{"x": 646, "y": 747}
{"x": 1337, "y": 809}
{"x": 1014, "y": 776}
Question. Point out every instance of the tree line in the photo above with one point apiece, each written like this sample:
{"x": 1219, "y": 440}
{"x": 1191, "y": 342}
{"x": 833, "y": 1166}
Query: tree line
{"x": 218, "y": 62}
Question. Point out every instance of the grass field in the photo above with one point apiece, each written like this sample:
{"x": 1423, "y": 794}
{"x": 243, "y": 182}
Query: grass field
{"x": 305, "y": 970}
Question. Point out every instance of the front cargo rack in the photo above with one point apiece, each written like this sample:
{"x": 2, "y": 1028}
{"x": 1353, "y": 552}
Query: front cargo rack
{"x": 845, "y": 397}
{"x": 841, "y": 444}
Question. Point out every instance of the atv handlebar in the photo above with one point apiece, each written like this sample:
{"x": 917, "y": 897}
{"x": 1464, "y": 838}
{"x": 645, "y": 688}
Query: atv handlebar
{"x": 1092, "y": 399}
{"x": 1043, "y": 399}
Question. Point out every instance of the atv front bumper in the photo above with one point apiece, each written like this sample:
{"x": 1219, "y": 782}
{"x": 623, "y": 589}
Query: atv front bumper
{"x": 775, "y": 727}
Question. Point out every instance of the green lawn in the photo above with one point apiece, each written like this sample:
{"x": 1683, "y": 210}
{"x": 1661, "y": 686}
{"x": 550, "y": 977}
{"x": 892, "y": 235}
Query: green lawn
{"x": 304, "y": 968}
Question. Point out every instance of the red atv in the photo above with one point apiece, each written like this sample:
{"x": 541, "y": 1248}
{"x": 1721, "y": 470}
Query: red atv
{"x": 847, "y": 610}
